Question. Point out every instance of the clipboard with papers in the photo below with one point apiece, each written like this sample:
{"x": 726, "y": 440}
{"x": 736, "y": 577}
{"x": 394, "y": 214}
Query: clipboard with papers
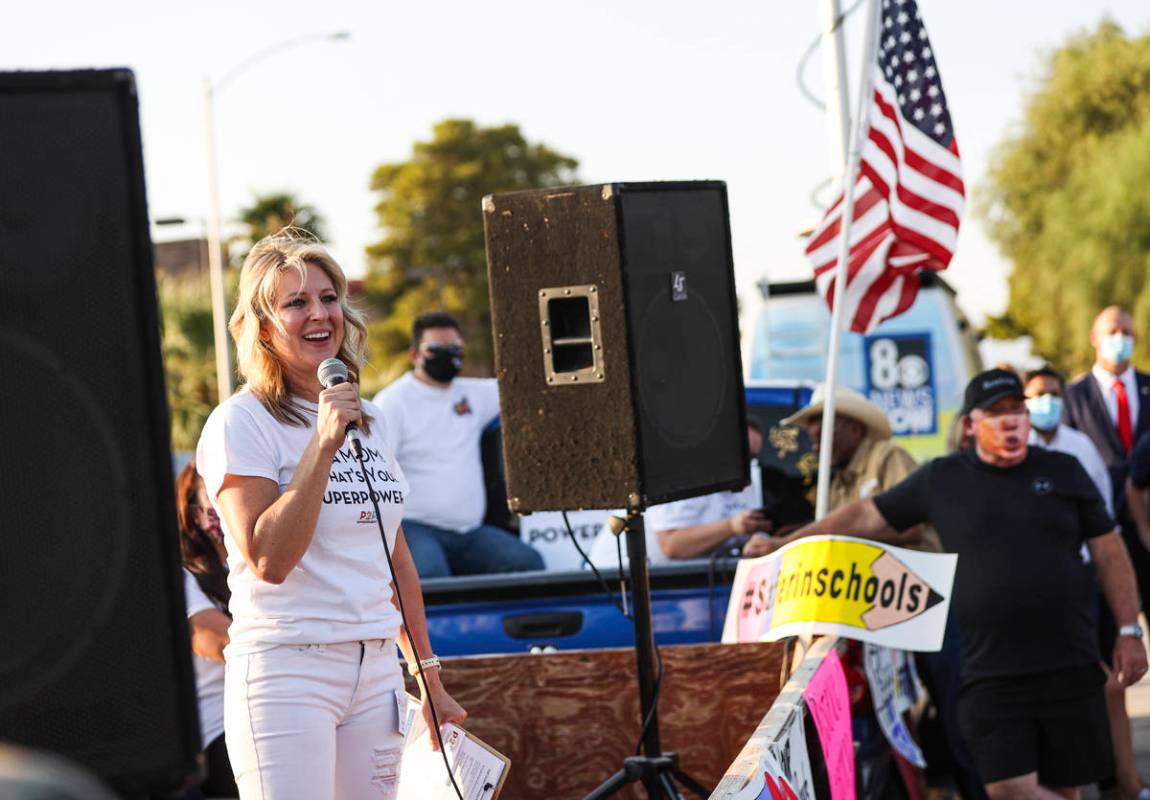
{"x": 479, "y": 769}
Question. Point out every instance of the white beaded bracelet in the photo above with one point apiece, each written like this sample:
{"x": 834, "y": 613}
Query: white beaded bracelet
{"x": 427, "y": 663}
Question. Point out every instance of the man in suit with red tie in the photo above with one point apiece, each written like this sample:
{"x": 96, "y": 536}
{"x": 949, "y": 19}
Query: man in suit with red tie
{"x": 1111, "y": 405}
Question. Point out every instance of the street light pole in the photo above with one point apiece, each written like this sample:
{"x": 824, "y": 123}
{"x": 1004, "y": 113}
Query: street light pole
{"x": 224, "y": 383}
{"x": 224, "y": 375}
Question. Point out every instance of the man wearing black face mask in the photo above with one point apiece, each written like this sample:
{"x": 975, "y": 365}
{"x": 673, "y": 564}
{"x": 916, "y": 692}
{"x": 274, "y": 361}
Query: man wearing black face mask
{"x": 435, "y": 420}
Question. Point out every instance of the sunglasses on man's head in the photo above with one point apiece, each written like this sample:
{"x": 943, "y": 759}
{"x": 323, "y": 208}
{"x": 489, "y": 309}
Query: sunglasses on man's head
{"x": 453, "y": 350}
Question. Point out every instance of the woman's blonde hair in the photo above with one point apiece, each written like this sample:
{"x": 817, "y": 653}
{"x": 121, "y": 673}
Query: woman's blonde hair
{"x": 260, "y": 276}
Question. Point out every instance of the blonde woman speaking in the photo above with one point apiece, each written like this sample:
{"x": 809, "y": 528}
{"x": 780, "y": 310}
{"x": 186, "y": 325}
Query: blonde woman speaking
{"x": 313, "y": 690}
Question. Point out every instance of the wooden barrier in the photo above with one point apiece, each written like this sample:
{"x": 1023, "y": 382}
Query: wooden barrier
{"x": 568, "y": 719}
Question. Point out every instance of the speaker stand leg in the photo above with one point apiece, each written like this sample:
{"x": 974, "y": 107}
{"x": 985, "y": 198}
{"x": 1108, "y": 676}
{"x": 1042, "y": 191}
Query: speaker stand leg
{"x": 655, "y": 769}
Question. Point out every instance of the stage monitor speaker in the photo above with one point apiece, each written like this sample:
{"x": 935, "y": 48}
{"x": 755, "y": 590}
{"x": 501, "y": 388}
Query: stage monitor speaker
{"x": 95, "y": 662}
{"x": 616, "y": 344}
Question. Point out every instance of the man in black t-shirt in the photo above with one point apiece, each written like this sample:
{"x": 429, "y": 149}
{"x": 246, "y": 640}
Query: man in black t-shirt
{"x": 1032, "y": 707}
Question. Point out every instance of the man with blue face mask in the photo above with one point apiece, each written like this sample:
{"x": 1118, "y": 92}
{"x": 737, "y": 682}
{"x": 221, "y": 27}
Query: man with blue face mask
{"x": 1044, "y": 389}
{"x": 1111, "y": 404}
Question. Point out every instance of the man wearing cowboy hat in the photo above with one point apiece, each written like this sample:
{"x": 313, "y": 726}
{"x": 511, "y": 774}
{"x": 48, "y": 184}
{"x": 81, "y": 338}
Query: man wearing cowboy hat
{"x": 864, "y": 461}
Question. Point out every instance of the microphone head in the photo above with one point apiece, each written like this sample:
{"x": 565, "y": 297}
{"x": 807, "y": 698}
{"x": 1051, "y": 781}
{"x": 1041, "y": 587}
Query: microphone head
{"x": 331, "y": 372}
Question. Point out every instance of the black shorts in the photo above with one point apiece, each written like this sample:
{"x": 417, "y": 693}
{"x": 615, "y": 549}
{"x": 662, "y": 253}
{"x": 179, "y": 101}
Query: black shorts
{"x": 1107, "y": 631}
{"x": 1061, "y": 731}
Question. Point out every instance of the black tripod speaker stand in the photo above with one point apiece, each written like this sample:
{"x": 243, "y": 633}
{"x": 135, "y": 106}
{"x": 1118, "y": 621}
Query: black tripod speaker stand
{"x": 658, "y": 771}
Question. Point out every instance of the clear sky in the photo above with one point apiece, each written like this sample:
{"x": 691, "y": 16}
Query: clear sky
{"x": 635, "y": 89}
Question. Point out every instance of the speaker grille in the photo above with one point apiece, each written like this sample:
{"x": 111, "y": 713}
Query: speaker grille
{"x": 65, "y": 439}
{"x": 685, "y": 347}
{"x": 682, "y": 382}
{"x": 96, "y": 662}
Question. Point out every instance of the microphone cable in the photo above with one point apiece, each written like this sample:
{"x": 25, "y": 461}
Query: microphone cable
{"x": 621, "y": 606}
{"x": 403, "y": 616}
{"x": 718, "y": 566}
{"x": 332, "y": 372}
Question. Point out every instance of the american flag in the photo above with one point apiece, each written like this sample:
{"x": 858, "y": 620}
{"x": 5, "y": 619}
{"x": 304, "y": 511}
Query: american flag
{"x": 909, "y": 194}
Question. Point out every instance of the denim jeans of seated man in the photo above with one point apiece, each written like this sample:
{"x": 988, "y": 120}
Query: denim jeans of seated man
{"x": 438, "y": 552}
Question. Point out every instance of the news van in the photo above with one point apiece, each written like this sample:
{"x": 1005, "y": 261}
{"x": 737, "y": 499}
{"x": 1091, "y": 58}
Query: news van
{"x": 915, "y": 366}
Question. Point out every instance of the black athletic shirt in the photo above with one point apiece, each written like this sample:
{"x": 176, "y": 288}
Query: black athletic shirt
{"x": 1022, "y": 597}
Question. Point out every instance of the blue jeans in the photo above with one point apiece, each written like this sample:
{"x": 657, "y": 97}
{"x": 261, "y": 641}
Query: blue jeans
{"x": 439, "y": 552}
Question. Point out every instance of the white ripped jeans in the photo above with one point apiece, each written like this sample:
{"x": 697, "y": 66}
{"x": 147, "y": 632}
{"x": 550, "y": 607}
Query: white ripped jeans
{"x": 312, "y": 722}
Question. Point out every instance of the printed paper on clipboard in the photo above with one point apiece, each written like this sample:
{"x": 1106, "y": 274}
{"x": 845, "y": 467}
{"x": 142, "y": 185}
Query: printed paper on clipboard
{"x": 479, "y": 769}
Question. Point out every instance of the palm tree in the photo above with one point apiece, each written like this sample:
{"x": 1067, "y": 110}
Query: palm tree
{"x": 269, "y": 213}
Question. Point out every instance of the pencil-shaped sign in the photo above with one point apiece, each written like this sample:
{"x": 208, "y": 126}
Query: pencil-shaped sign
{"x": 851, "y": 587}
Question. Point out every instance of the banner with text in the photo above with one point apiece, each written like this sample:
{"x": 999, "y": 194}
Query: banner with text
{"x": 548, "y": 534}
{"x": 850, "y": 587}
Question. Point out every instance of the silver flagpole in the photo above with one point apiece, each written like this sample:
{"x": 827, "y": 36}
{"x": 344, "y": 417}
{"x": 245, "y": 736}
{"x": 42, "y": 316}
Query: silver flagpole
{"x": 826, "y": 440}
{"x": 835, "y": 81}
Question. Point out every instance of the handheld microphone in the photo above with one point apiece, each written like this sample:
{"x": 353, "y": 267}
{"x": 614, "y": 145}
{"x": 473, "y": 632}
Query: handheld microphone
{"x": 333, "y": 372}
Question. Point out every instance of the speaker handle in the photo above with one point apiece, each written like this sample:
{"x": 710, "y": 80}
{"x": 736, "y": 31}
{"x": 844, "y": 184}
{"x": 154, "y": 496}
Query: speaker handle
{"x": 571, "y": 334}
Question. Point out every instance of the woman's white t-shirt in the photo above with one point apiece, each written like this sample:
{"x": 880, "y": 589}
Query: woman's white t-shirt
{"x": 340, "y": 590}
{"x": 209, "y": 674}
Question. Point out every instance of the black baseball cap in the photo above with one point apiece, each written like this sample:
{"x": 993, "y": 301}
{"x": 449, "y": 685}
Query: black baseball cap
{"x": 987, "y": 388}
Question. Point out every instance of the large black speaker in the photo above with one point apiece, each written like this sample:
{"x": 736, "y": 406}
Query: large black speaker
{"x": 94, "y": 660}
{"x": 616, "y": 344}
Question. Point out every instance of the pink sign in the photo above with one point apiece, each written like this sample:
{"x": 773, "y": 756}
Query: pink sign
{"x": 827, "y": 699}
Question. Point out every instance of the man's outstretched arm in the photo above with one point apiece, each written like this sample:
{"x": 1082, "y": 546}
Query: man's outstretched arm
{"x": 860, "y": 518}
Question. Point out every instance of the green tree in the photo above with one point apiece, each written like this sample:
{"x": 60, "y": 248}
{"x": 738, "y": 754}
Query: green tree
{"x": 1066, "y": 196}
{"x": 269, "y": 213}
{"x": 189, "y": 356}
{"x": 432, "y": 255}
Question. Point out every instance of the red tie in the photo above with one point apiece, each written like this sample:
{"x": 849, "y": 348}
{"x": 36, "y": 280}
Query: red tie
{"x": 1125, "y": 432}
